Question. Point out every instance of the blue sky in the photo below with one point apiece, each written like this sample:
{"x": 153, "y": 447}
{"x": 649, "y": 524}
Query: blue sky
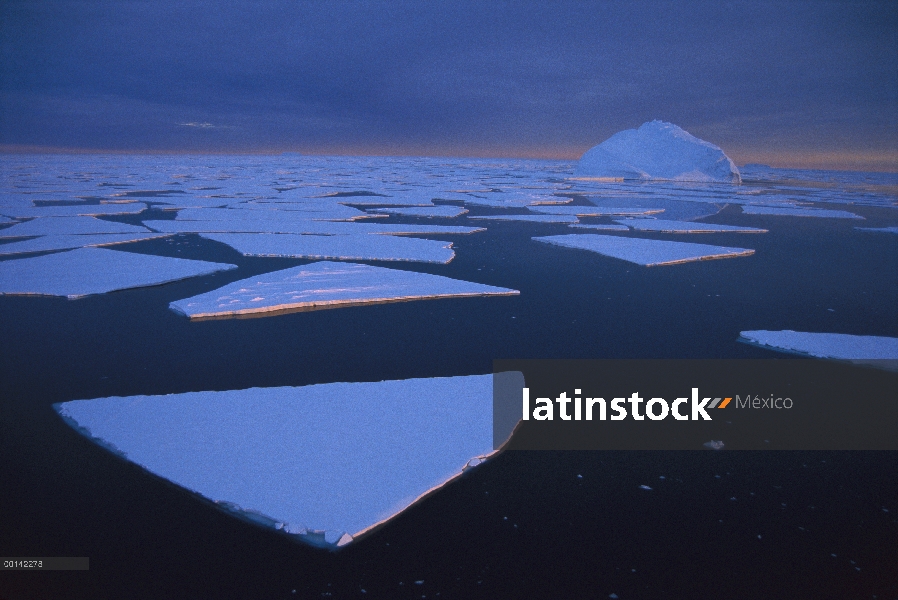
{"x": 788, "y": 83}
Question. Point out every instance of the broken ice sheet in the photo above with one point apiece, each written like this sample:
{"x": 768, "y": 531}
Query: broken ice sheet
{"x": 593, "y": 211}
{"x": 337, "y": 457}
{"x": 531, "y": 218}
{"x": 423, "y": 211}
{"x": 89, "y": 271}
{"x": 838, "y": 346}
{"x": 327, "y": 284}
{"x": 68, "y": 225}
{"x": 346, "y": 247}
{"x": 664, "y": 226}
{"x": 66, "y": 242}
{"x": 798, "y": 212}
{"x": 642, "y": 251}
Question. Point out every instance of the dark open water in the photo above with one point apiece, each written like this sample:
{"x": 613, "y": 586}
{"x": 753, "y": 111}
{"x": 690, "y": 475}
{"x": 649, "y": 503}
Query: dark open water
{"x": 523, "y": 525}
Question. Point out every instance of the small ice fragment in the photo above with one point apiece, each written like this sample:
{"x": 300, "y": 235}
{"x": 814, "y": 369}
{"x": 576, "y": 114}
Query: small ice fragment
{"x": 645, "y": 487}
{"x": 599, "y": 226}
{"x": 327, "y": 284}
{"x": 89, "y": 271}
{"x": 714, "y": 445}
{"x": 423, "y": 211}
{"x": 643, "y": 251}
{"x": 613, "y": 596}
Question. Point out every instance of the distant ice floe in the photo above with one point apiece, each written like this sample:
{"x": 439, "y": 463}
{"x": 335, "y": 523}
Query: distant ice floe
{"x": 663, "y": 226}
{"x": 531, "y": 218}
{"x": 397, "y": 200}
{"x": 89, "y": 271}
{"x": 423, "y": 211}
{"x": 879, "y": 229}
{"x": 345, "y": 247}
{"x": 310, "y": 227}
{"x": 67, "y": 242}
{"x": 593, "y": 211}
{"x": 327, "y": 462}
{"x": 786, "y": 211}
{"x": 599, "y": 226}
{"x": 644, "y": 252}
{"x": 81, "y": 210}
{"x": 714, "y": 445}
{"x": 838, "y": 346}
{"x": 657, "y": 151}
{"x": 68, "y": 225}
{"x": 327, "y": 284}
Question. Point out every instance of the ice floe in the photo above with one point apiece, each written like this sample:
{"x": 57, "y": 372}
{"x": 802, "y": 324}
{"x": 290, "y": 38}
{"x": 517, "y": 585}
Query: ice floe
{"x": 423, "y": 211}
{"x": 642, "y": 251}
{"x": 826, "y": 345}
{"x": 327, "y": 284}
{"x": 66, "y": 242}
{"x": 593, "y": 211}
{"x": 662, "y": 226}
{"x": 599, "y": 226}
{"x": 657, "y": 150}
{"x": 532, "y": 218}
{"x": 320, "y": 460}
{"x": 89, "y": 271}
{"x": 345, "y": 247}
{"x": 879, "y": 229}
{"x": 80, "y": 210}
{"x": 68, "y": 225}
{"x": 788, "y": 211}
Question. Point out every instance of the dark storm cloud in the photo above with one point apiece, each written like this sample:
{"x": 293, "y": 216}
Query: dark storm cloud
{"x": 506, "y": 78}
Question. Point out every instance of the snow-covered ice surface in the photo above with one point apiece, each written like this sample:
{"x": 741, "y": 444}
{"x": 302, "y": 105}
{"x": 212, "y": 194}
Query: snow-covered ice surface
{"x": 68, "y": 226}
{"x": 645, "y": 252}
{"x": 89, "y": 271}
{"x": 67, "y": 242}
{"x": 337, "y": 457}
{"x": 827, "y": 345}
{"x": 657, "y": 150}
{"x": 785, "y": 211}
{"x": 345, "y": 247}
{"x": 665, "y": 226}
{"x": 327, "y": 284}
{"x": 423, "y": 211}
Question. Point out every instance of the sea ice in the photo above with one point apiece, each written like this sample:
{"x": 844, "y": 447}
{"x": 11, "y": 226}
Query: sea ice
{"x": 593, "y": 211}
{"x": 327, "y": 284}
{"x": 89, "y": 271}
{"x": 79, "y": 210}
{"x": 66, "y": 242}
{"x": 310, "y": 227}
{"x": 345, "y": 247}
{"x": 663, "y": 226}
{"x": 879, "y": 229}
{"x": 321, "y": 459}
{"x": 532, "y": 218}
{"x": 827, "y": 345}
{"x": 599, "y": 226}
{"x": 68, "y": 225}
{"x": 657, "y": 150}
{"x": 788, "y": 211}
{"x": 649, "y": 253}
{"x": 423, "y": 211}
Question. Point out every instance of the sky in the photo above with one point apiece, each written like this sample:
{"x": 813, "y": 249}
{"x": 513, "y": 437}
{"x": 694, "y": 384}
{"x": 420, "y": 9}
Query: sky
{"x": 788, "y": 83}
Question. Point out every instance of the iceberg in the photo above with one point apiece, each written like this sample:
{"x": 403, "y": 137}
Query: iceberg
{"x": 788, "y": 211}
{"x": 68, "y": 225}
{"x": 320, "y": 461}
{"x": 87, "y": 271}
{"x": 657, "y": 151}
{"x": 67, "y": 242}
{"x": 839, "y": 346}
{"x": 663, "y": 226}
{"x": 649, "y": 253}
{"x": 327, "y": 285}
{"x": 340, "y": 247}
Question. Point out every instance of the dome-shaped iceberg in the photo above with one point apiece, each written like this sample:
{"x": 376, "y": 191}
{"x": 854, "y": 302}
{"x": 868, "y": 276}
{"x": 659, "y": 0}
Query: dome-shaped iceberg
{"x": 657, "y": 150}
